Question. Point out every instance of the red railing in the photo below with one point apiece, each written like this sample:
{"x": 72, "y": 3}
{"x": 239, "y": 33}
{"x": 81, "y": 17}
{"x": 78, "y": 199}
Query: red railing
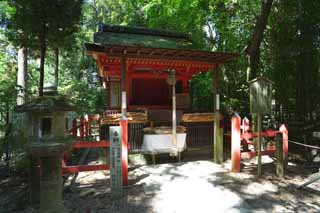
{"x": 241, "y": 135}
{"x": 81, "y": 132}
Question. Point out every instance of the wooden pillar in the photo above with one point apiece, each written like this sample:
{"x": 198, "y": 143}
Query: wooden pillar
{"x": 259, "y": 145}
{"x": 81, "y": 128}
{"x": 218, "y": 137}
{"x": 279, "y": 154}
{"x": 86, "y": 126}
{"x": 216, "y": 91}
{"x": 245, "y": 129}
{"x": 174, "y": 119}
{"x": 124, "y": 151}
{"x": 235, "y": 143}
{"x": 185, "y": 87}
{"x": 123, "y": 88}
{"x": 124, "y": 122}
{"x": 74, "y": 128}
{"x": 284, "y": 130}
{"x": 108, "y": 95}
{"x": 128, "y": 95}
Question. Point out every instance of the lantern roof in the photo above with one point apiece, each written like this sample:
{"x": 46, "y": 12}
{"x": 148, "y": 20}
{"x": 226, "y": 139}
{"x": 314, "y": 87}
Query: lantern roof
{"x": 46, "y": 104}
{"x": 261, "y": 79}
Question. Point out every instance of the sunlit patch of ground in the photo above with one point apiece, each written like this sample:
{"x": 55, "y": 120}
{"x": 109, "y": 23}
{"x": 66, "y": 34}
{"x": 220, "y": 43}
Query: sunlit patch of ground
{"x": 198, "y": 186}
{"x": 190, "y": 186}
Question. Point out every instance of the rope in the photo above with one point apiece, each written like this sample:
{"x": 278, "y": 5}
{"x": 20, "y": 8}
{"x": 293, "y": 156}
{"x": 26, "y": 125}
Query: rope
{"x": 302, "y": 144}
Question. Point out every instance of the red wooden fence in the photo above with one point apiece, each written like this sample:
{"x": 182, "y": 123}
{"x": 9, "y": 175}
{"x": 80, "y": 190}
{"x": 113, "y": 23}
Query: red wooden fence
{"x": 81, "y": 132}
{"x": 241, "y": 135}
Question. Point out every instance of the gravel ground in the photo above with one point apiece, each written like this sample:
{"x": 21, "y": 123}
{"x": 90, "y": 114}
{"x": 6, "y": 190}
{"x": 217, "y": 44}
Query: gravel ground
{"x": 197, "y": 186}
{"x": 190, "y": 186}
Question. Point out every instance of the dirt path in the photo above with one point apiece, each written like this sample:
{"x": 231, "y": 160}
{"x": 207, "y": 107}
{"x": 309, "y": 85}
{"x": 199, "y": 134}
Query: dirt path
{"x": 193, "y": 186}
{"x": 198, "y": 186}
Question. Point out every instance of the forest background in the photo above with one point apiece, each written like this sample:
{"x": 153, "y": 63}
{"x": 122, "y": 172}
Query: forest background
{"x": 50, "y": 44}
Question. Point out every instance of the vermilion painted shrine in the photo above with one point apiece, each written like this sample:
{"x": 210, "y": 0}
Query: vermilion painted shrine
{"x": 146, "y": 55}
{"x": 136, "y": 61}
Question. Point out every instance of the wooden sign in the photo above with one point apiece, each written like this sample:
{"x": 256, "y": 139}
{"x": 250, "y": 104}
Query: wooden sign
{"x": 115, "y": 162}
{"x": 260, "y": 95}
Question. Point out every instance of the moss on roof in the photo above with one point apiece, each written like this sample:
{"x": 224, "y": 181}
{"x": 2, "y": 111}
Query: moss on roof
{"x": 46, "y": 104}
{"x": 142, "y": 37}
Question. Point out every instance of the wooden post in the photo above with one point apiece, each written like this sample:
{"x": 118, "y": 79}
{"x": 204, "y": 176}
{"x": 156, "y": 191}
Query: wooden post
{"x": 259, "y": 142}
{"x": 245, "y": 128}
{"x": 254, "y": 120}
{"x": 124, "y": 123}
{"x": 171, "y": 80}
{"x": 81, "y": 128}
{"x": 279, "y": 152}
{"x": 185, "y": 88}
{"x": 174, "y": 119}
{"x": 218, "y": 139}
{"x": 74, "y": 128}
{"x": 123, "y": 88}
{"x": 124, "y": 151}
{"x": 284, "y": 130}
{"x": 215, "y": 86}
{"x": 87, "y": 126}
{"x": 235, "y": 143}
{"x": 221, "y": 143}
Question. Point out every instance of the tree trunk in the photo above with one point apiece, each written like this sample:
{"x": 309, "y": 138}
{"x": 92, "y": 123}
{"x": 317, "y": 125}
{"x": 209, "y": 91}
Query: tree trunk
{"x": 7, "y": 133}
{"x": 43, "y": 47}
{"x": 22, "y": 75}
{"x": 56, "y": 70}
{"x": 253, "y": 49}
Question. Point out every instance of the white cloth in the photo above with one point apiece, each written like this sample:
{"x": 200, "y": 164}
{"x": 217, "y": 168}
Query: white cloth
{"x": 162, "y": 143}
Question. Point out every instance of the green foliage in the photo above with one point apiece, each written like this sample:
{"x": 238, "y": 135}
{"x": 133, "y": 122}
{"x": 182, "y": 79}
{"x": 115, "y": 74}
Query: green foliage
{"x": 289, "y": 52}
{"x": 5, "y": 12}
{"x": 201, "y": 87}
{"x": 57, "y": 19}
{"x": 292, "y": 55}
{"x": 41, "y": 23}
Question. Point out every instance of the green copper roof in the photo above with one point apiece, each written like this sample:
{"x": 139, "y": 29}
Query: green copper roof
{"x": 141, "y": 37}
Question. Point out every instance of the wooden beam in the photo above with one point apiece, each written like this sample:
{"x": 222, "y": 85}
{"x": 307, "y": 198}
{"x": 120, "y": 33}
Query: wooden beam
{"x": 83, "y": 168}
{"x": 90, "y": 144}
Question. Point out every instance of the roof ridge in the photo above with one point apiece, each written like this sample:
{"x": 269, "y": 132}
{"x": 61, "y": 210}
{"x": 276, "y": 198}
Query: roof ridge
{"x": 142, "y": 30}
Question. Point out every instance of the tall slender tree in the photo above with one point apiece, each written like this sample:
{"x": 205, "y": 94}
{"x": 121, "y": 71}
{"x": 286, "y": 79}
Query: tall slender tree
{"x": 46, "y": 22}
{"x": 253, "y": 49}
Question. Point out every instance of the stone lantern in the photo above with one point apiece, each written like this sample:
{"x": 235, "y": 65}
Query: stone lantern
{"x": 48, "y": 140}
